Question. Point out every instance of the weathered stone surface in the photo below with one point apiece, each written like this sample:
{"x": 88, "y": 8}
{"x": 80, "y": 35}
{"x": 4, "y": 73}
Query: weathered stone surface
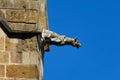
{"x": 42, "y": 20}
{"x": 19, "y": 79}
{"x": 28, "y": 16}
{"x": 43, "y": 7}
{"x": 33, "y": 5}
{"x": 2, "y": 43}
{"x": 19, "y": 4}
{"x": 2, "y": 70}
{"x": 2, "y": 14}
{"x": 22, "y": 71}
{"x": 2, "y": 40}
{"x": 26, "y": 58}
{"x": 23, "y": 27}
{"x": 27, "y": 45}
{"x": 2, "y": 33}
{"x": 15, "y": 15}
{"x": 33, "y": 57}
{"x": 4, "y": 57}
{"x": 10, "y": 44}
{"x": 2, "y": 79}
{"x": 17, "y": 26}
{"x": 31, "y": 16}
{"x": 19, "y": 54}
{"x": 26, "y": 4}
{"x": 16, "y": 57}
{"x": 30, "y": 27}
{"x": 6, "y": 3}
{"x": 24, "y": 11}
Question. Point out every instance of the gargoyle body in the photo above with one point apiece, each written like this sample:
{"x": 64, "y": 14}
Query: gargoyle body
{"x": 53, "y": 38}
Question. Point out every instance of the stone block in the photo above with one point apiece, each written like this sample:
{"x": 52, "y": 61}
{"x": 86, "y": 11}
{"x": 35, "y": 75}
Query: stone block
{"x": 42, "y": 20}
{"x": 2, "y": 14}
{"x": 26, "y": 4}
{"x": 22, "y": 16}
{"x": 16, "y": 57}
{"x": 4, "y": 57}
{"x": 22, "y": 71}
{"x": 2, "y": 79}
{"x": 10, "y": 44}
{"x": 6, "y": 3}
{"x": 25, "y": 58}
{"x": 2, "y": 39}
{"x": 23, "y": 27}
{"x": 2, "y": 33}
{"x": 20, "y": 79}
{"x": 2, "y": 43}
{"x": 34, "y": 5}
{"x": 15, "y": 15}
{"x": 17, "y": 26}
{"x": 2, "y": 71}
{"x": 30, "y": 27}
{"x": 43, "y": 7}
{"x": 29, "y": 57}
{"x": 27, "y": 45}
{"x": 33, "y": 57}
{"x": 31, "y": 16}
{"x": 14, "y": 40}
{"x": 18, "y": 4}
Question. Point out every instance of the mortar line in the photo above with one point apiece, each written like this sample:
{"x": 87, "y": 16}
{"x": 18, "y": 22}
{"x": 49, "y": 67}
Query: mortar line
{"x": 5, "y": 72}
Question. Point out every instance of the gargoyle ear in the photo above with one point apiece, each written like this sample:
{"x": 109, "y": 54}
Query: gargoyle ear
{"x": 75, "y": 39}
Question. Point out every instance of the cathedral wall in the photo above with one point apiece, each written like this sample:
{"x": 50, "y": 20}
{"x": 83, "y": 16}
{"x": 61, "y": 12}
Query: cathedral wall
{"x": 21, "y": 58}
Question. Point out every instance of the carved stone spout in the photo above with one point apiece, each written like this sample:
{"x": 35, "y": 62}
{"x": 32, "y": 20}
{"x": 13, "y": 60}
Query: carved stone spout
{"x": 53, "y": 38}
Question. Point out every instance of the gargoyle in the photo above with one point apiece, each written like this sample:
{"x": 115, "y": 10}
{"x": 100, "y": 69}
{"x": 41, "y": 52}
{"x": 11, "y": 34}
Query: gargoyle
{"x": 55, "y": 39}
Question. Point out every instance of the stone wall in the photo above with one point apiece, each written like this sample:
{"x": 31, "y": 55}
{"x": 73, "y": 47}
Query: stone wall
{"x": 21, "y": 58}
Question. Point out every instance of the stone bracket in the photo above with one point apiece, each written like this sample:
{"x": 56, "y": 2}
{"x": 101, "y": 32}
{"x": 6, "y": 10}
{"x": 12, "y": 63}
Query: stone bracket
{"x": 11, "y": 30}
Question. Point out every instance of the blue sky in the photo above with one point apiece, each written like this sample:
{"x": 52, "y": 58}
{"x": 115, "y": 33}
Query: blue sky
{"x": 96, "y": 23}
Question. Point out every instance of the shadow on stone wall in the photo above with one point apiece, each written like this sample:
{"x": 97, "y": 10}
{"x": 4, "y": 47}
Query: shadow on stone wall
{"x": 28, "y": 41}
{"x": 18, "y": 35}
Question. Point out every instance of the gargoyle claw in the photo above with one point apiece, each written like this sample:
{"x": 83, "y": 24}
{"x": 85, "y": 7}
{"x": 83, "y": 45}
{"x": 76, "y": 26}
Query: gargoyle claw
{"x": 76, "y": 43}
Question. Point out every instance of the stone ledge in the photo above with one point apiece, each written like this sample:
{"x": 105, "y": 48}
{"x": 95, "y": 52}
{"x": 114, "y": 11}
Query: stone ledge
{"x": 5, "y": 25}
